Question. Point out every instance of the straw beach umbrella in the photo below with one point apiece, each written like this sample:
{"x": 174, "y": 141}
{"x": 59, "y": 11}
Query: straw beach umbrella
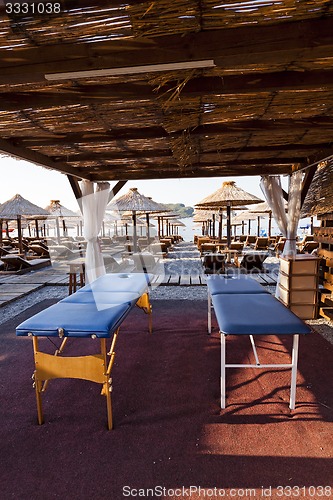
{"x": 239, "y": 219}
{"x": 58, "y": 211}
{"x": 229, "y": 195}
{"x": 135, "y": 202}
{"x": 18, "y": 207}
{"x": 264, "y": 208}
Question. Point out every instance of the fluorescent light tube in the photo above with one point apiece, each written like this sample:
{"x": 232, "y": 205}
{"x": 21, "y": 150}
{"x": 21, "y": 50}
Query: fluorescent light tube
{"x": 132, "y": 70}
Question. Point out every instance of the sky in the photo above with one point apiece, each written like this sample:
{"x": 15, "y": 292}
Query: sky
{"x": 40, "y": 185}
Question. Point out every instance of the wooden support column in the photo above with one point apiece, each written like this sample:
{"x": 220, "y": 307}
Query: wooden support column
{"x": 76, "y": 189}
{"x": 309, "y": 174}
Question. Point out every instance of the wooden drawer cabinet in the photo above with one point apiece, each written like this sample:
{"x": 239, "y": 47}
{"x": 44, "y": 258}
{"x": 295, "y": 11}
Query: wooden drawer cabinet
{"x": 298, "y": 284}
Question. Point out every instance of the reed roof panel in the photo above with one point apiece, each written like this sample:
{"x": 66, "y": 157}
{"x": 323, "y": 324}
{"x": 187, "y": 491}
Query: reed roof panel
{"x": 266, "y": 106}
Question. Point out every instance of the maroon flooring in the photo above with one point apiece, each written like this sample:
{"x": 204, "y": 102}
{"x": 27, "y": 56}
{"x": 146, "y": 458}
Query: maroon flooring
{"x": 169, "y": 430}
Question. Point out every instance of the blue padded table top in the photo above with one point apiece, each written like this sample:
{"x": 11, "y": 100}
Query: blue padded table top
{"x": 256, "y": 314}
{"x": 119, "y": 282}
{"x": 77, "y": 320}
{"x": 219, "y": 284}
{"x": 103, "y": 298}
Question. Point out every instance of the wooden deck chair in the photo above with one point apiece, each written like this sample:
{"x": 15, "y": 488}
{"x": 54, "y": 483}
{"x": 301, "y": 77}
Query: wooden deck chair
{"x": 261, "y": 243}
{"x": 39, "y": 250}
{"x": 253, "y": 261}
{"x": 17, "y": 263}
{"x": 214, "y": 263}
{"x": 309, "y": 246}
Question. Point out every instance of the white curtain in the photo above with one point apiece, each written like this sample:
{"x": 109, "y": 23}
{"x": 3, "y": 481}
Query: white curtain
{"x": 287, "y": 222}
{"x": 94, "y": 202}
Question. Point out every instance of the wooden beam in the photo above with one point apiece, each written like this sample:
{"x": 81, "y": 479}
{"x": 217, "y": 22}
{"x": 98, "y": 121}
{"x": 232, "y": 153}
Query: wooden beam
{"x": 76, "y": 189}
{"x": 39, "y": 159}
{"x": 229, "y": 48}
{"x": 109, "y": 155}
{"x": 196, "y": 87}
{"x": 115, "y": 190}
{"x": 279, "y": 151}
{"x": 298, "y": 126}
{"x": 309, "y": 174}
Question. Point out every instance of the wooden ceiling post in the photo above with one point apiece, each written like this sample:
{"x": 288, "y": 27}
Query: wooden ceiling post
{"x": 309, "y": 175}
{"x": 76, "y": 189}
{"x": 115, "y": 190}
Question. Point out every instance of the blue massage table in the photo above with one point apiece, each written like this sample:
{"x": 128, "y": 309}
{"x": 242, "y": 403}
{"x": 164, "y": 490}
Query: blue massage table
{"x": 242, "y": 311}
{"x": 95, "y": 311}
{"x": 217, "y": 284}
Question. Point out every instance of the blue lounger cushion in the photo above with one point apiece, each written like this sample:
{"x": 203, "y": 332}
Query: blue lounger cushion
{"x": 77, "y": 320}
{"x": 219, "y": 284}
{"x": 94, "y": 297}
{"x": 119, "y": 282}
{"x": 255, "y": 314}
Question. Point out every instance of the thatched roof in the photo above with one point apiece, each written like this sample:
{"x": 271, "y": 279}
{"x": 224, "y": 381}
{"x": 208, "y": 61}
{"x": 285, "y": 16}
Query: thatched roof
{"x": 261, "y": 104}
{"x": 55, "y": 209}
{"x": 18, "y": 205}
{"x": 134, "y": 201}
{"x": 319, "y": 199}
{"x": 228, "y": 194}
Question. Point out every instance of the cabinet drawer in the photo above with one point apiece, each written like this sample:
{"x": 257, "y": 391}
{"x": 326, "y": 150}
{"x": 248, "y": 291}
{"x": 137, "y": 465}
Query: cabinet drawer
{"x": 306, "y": 264}
{"x": 297, "y": 296}
{"x": 297, "y": 282}
{"x": 305, "y": 311}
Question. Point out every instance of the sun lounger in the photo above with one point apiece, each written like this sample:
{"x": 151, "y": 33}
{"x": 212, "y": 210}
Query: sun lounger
{"x": 60, "y": 252}
{"x": 261, "y": 243}
{"x": 39, "y": 250}
{"x": 252, "y": 261}
{"x": 255, "y": 314}
{"x": 213, "y": 263}
{"x": 16, "y": 263}
{"x": 309, "y": 247}
{"x": 96, "y": 311}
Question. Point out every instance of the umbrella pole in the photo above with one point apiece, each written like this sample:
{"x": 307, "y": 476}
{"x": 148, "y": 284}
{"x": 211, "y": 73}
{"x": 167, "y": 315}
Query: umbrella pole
{"x": 258, "y": 225}
{"x": 220, "y": 225}
{"x": 243, "y": 227}
{"x": 148, "y": 233}
{"x": 249, "y": 226}
{"x": 58, "y": 230}
{"x": 37, "y": 229}
{"x": 1, "y": 231}
{"x": 213, "y": 217}
{"x": 270, "y": 224}
{"x": 135, "y": 247}
{"x": 228, "y": 225}
{"x": 19, "y": 231}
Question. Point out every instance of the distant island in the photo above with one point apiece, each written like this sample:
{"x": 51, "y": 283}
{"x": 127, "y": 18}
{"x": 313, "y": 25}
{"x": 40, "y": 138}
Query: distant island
{"x": 180, "y": 209}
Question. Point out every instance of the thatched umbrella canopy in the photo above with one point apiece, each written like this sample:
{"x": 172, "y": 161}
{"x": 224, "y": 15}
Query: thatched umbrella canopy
{"x": 245, "y": 216}
{"x": 135, "y": 202}
{"x": 16, "y": 208}
{"x": 264, "y": 208}
{"x": 208, "y": 218}
{"x": 58, "y": 211}
{"x": 229, "y": 195}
